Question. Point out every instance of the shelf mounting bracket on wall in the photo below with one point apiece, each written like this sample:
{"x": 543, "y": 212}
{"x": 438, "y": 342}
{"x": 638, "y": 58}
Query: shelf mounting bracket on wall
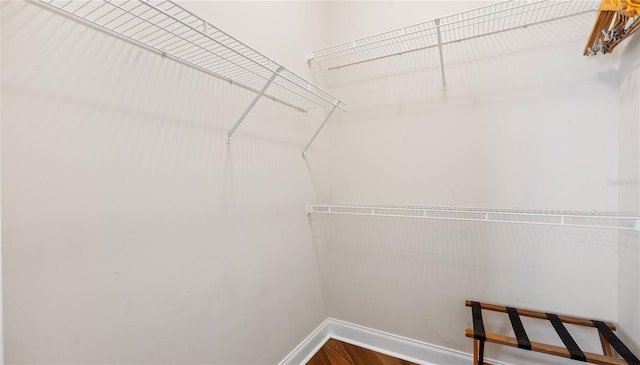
{"x": 444, "y": 80}
{"x": 326, "y": 119}
{"x": 253, "y": 103}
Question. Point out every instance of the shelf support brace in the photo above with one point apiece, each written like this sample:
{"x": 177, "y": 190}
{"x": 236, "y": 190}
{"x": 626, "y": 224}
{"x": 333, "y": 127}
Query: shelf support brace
{"x": 326, "y": 119}
{"x": 253, "y": 103}
{"x": 444, "y": 80}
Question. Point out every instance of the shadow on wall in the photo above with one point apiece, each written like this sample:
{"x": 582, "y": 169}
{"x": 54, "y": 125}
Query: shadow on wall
{"x": 526, "y": 122}
{"x": 497, "y": 137}
{"x": 142, "y": 65}
{"x": 410, "y": 276}
{"x": 125, "y": 213}
{"x": 469, "y": 64}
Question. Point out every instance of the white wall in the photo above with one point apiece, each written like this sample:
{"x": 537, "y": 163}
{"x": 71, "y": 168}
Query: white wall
{"x": 527, "y": 121}
{"x": 629, "y": 198}
{"x": 131, "y": 232}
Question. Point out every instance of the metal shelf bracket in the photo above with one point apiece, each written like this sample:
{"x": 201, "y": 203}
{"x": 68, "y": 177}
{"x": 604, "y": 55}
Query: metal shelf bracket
{"x": 326, "y": 119}
{"x": 253, "y": 103}
{"x": 444, "y": 80}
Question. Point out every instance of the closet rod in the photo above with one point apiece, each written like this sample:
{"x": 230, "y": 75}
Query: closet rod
{"x": 556, "y": 218}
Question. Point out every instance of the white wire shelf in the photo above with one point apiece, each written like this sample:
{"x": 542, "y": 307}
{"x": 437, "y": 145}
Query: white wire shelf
{"x": 480, "y": 22}
{"x": 172, "y": 31}
{"x": 594, "y": 219}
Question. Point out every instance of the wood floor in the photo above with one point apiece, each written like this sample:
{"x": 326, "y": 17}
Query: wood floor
{"x": 335, "y": 352}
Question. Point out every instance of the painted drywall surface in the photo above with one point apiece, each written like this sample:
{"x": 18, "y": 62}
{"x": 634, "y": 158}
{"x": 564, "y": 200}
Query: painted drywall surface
{"x": 131, "y": 232}
{"x": 1, "y": 292}
{"x": 527, "y": 121}
{"x": 629, "y": 200}
{"x": 522, "y": 124}
{"x": 411, "y": 277}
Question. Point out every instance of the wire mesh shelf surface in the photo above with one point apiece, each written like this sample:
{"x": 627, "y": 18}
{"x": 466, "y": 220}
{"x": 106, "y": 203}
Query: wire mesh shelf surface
{"x": 168, "y": 29}
{"x": 487, "y": 20}
{"x": 592, "y": 219}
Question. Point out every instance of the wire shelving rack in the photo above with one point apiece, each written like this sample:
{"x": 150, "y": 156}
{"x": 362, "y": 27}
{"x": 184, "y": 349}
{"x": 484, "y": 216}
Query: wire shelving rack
{"x": 480, "y": 22}
{"x": 174, "y": 32}
{"x": 593, "y": 219}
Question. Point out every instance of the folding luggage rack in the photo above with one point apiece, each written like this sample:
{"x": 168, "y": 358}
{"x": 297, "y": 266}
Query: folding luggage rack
{"x": 605, "y": 329}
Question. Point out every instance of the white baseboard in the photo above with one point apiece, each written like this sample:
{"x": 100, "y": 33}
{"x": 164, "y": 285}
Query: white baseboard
{"x": 309, "y": 346}
{"x": 397, "y": 346}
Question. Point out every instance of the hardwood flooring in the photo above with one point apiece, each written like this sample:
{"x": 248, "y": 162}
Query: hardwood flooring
{"x": 335, "y": 352}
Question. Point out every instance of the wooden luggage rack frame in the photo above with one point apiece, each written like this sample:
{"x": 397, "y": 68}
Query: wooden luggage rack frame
{"x": 607, "y": 338}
